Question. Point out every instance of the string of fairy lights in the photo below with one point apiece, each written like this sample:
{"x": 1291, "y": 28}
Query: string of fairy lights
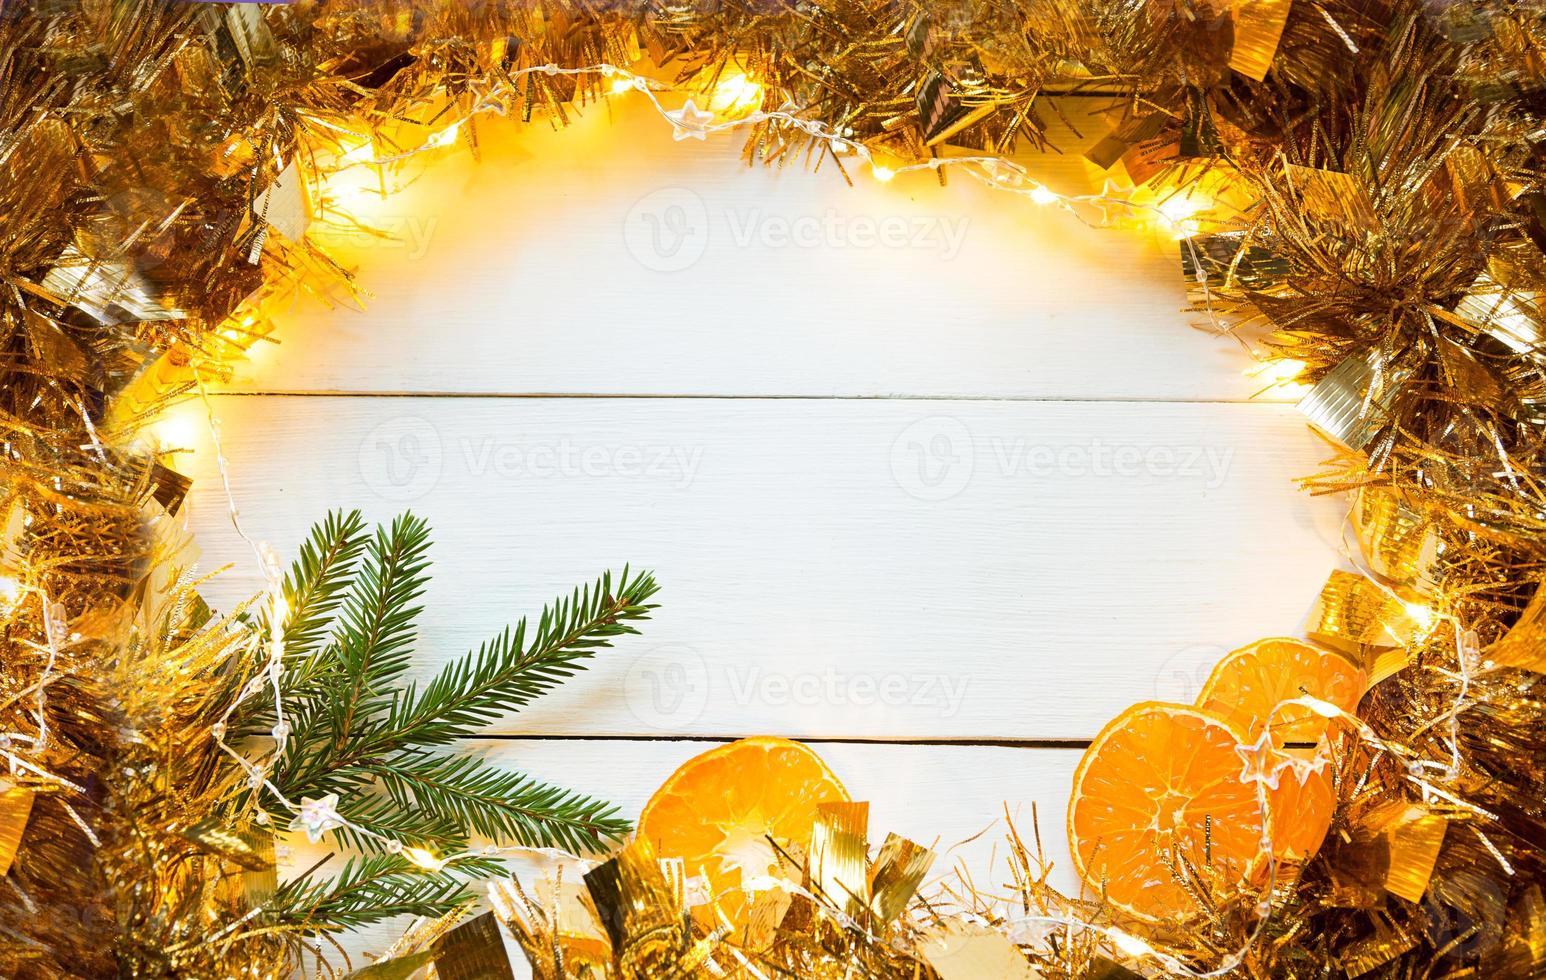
{"x": 690, "y": 121}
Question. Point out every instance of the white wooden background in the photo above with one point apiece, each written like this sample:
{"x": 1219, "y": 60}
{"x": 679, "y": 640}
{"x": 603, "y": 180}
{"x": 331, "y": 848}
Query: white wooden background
{"x": 932, "y": 478}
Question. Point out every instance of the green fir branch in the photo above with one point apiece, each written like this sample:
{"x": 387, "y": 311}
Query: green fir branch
{"x": 369, "y": 889}
{"x": 383, "y": 749}
{"x": 499, "y": 804}
{"x": 507, "y": 673}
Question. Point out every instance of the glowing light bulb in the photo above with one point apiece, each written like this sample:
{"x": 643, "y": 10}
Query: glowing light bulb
{"x": 1420, "y": 614}
{"x": 1041, "y": 195}
{"x": 176, "y": 430}
{"x": 1177, "y": 209}
{"x": 735, "y": 91}
{"x": 445, "y": 137}
{"x": 10, "y": 591}
{"x": 1131, "y": 945}
{"x": 621, "y": 85}
{"x": 424, "y": 859}
{"x": 883, "y": 174}
{"x": 1282, "y": 374}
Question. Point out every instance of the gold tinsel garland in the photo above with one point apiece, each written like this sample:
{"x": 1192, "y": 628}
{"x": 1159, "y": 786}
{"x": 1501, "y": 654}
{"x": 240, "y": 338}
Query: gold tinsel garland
{"x": 1390, "y": 157}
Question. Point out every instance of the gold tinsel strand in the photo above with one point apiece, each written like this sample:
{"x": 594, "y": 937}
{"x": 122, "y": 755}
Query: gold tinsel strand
{"x": 156, "y": 162}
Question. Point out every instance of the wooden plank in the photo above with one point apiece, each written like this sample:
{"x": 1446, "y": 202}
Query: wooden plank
{"x": 608, "y": 259}
{"x": 885, "y": 569}
{"x": 953, "y": 798}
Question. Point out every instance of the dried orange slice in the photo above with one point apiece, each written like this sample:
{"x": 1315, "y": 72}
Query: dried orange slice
{"x": 1249, "y": 683}
{"x": 1300, "y": 811}
{"x": 718, "y": 811}
{"x": 1162, "y": 780}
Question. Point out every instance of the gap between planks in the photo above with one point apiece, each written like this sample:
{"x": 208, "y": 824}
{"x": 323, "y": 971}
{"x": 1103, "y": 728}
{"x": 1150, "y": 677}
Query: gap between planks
{"x": 994, "y": 743}
{"x": 701, "y": 396}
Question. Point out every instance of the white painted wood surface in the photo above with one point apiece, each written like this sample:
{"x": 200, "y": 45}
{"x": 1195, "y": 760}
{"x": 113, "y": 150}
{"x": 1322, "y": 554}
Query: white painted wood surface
{"x": 980, "y": 484}
{"x": 885, "y": 569}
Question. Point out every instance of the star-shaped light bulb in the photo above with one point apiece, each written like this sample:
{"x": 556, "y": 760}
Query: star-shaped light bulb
{"x": 317, "y": 816}
{"x": 689, "y": 122}
{"x": 1262, "y": 762}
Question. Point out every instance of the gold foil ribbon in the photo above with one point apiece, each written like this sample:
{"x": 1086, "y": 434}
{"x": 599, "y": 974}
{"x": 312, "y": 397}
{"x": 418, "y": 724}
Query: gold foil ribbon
{"x": 1400, "y": 543}
{"x": 963, "y": 950}
{"x": 839, "y": 855}
{"x": 1371, "y": 953}
{"x": 1414, "y": 838}
{"x": 1339, "y": 406}
{"x": 110, "y": 291}
{"x": 1524, "y": 645}
{"x": 1127, "y": 134}
{"x": 15, "y": 811}
{"x": 284, "y": 205}
{"x": 641, "y": 905}
{"x": 898, "y": 871}
{"x": 1333, "y": 197}
{"x": 1353, "y": 615}
{"x": 1258, "y": 29}
{"x": 474, "y": 950}
{"x": 396, "y": 968}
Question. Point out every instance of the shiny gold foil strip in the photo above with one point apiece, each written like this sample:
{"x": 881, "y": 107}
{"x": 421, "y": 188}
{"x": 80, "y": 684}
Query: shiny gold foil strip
{"x": 110, "y": 291}
{"x": 1414, "y": 841}
{"x": 474, "y": 950}
{"x": 839, "y": 855}
{"x": 1355, "y": 616}
{"x": 1333, "y": 197}
{"x": 1258, "y": 29}
{"x": 286, "y": 203}
{"x": 396, "y": 968}
{"x": 1511, "y": 319}
{"x": 244, "y": 848}
{"x": 1336, "y": 404}
{"x": 1400, "y": 543}
{"x": 15, "y": 811}
{"x": 962, "y": 950}
{"x": 260, "y": 882}
{"x": 1368, "y": 955}
{"x": 641, "y": 909}
{"x": 1524, "y": 645}
{"x": 898, "y": 871}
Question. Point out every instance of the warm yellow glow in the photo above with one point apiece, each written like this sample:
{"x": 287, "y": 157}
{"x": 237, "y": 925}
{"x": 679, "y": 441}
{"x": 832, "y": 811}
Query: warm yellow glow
{"x": 1178, "y": 207}
{"x": 735, "y": 92}
{"x": 445, "y": 137}
{"x": 178, "y": 429}
{"x": 358, "y": 150}
{"x": 1420, "y": 614}
{"x": 424, "y": 859}
{"x": 883, "y": 174}
{"x": 621, "y": 86}
{"x": 10, "y": 591}
{"x": 1131, "y": 945}
{"x": 1041, "y": 195}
